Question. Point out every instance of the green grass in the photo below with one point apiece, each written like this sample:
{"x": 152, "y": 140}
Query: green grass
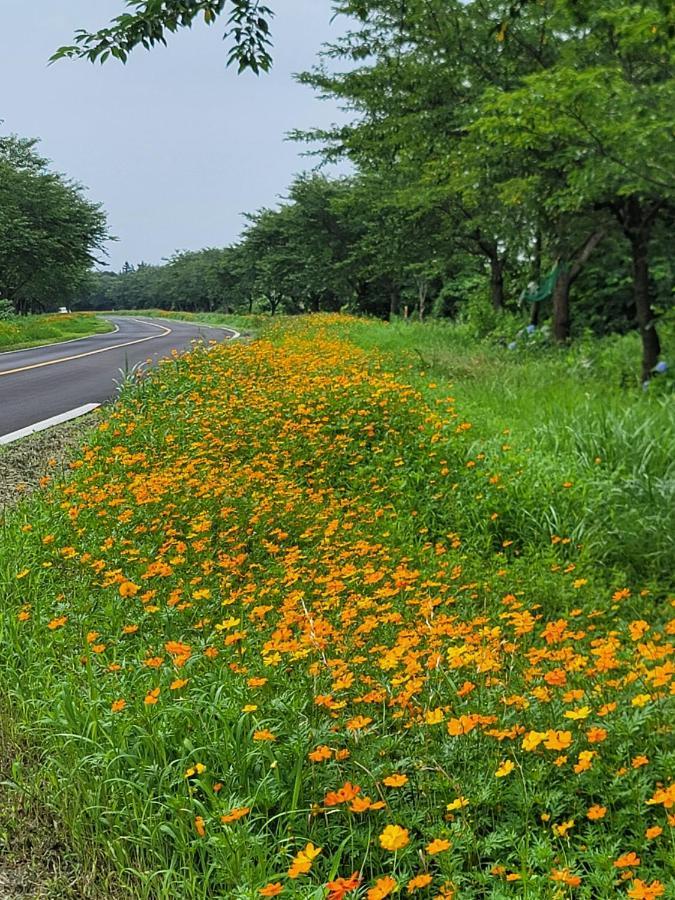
{"x": 571, "y": 418}
{"x": 21, "y": 332}
{"x": 389, "y": 547}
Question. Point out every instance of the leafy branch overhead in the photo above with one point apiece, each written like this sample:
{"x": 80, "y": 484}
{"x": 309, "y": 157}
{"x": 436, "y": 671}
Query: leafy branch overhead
{"x": 148, "y": 22}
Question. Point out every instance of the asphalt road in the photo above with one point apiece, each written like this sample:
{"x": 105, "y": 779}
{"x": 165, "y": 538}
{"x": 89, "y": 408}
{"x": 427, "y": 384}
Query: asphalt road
{"x": 42, "y": 382}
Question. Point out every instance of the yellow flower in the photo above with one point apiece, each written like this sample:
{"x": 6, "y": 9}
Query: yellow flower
{"x": 302, "y": 862}
{"x": 506, "y": 768}
{"x": 582, "y": 713}
{"x": 562, "y": 829}
{"x": 394, "y": 838}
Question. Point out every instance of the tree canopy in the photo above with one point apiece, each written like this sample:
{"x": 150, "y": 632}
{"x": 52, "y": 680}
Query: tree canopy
{"x": 50, "y": 233}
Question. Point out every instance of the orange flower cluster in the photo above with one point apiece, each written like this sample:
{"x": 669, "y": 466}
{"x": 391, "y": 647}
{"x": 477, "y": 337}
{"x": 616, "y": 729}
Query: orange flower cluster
{"x": 267, "y": 527}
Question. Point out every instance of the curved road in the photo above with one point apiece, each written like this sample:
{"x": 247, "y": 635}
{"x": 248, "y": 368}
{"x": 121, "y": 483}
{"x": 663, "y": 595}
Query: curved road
{"x": 43, "y": 382}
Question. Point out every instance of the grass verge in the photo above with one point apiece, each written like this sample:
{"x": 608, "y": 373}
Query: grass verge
{"x": 290, "y": 629}
{"x": 22, "y": 332}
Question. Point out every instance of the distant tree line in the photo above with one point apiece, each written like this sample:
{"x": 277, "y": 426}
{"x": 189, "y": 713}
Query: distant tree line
{"x": 50, "y": 233}
{"x": 500, "y": 158}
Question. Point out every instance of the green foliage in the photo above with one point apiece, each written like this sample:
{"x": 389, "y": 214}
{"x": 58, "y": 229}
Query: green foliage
{"x": 147, "y": 23}
{"x": 49, "y": 232}
{"x": 7, "y": 310}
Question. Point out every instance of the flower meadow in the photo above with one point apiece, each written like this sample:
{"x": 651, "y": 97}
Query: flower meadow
{"x": 273, "y": 640}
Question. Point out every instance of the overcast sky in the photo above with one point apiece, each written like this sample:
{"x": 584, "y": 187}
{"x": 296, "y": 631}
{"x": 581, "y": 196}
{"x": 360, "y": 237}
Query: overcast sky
{"x": 174, "y": 144}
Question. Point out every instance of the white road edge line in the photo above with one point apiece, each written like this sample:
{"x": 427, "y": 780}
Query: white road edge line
{"x": 85, "y": 337}
{"x": 49, "y": 423}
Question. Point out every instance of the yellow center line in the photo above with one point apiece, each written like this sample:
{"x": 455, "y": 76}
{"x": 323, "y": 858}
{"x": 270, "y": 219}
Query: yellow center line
{"x": 63, "y": 359}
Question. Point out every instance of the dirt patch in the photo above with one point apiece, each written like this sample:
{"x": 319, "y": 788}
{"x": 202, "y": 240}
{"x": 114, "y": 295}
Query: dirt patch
{"x": 36, "y": 861}
{"x": 29, "y": 464}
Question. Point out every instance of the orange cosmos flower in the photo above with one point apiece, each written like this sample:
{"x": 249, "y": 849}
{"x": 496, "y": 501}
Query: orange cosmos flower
{"x": 666, "y": 796}
{"x": 558, "y": 740}
{"x": 358, "y": 723}
{"x": 505, "y": 769}
{"x": 363, "y": 804}
{"x": 395, "y": 781}
{"x": 199, "y": 826}
{"x": 627, "y": 861}
{"x": 235, "y": 814}
{"x": 653, "y": 832}
{"x": 320, "y": 754}
{"x": 118, "y": 705}
{"x": 153, "y": 662}
{"x": 566, "y": 877}
{"x": 271, "y": 890}
{"x": 343, "y": 795}
{"x": 339, "y": 888}
{"x": 394, "y": 838}
{"x": 419, "y": 882}
{"x": 596, "y": 812}
{"x": 152, "y": 697}
{"x": 178, "y": 683}
{"x": 382, "y": 888}
{"x": 437, "y": 846}
{"x": 128, "y": 589}
{"x": 59, "y": 622}
{"x": 640, "y": 890}
{"x": 264, "y": 735}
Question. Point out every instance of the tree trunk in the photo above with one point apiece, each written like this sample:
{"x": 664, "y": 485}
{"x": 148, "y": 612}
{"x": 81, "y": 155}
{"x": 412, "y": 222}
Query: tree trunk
{"x": 637, "y": 219}
{"x": 561, "y": 308}
{"x": 565, "y": 280}
{"x": 497, "y": 282}
{"x": 651, "y": 346}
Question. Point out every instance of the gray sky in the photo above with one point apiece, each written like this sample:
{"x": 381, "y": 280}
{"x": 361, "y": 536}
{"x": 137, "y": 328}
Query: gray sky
{"x": 174, "y": 144}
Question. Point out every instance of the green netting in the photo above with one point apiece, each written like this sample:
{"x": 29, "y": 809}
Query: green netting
{"x": 545, "y": 289}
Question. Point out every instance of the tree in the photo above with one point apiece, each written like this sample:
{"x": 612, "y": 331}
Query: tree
{"x": 589, "y": 138}
{"x": 147, "y": 23}
{"x": 49, "y": 232}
